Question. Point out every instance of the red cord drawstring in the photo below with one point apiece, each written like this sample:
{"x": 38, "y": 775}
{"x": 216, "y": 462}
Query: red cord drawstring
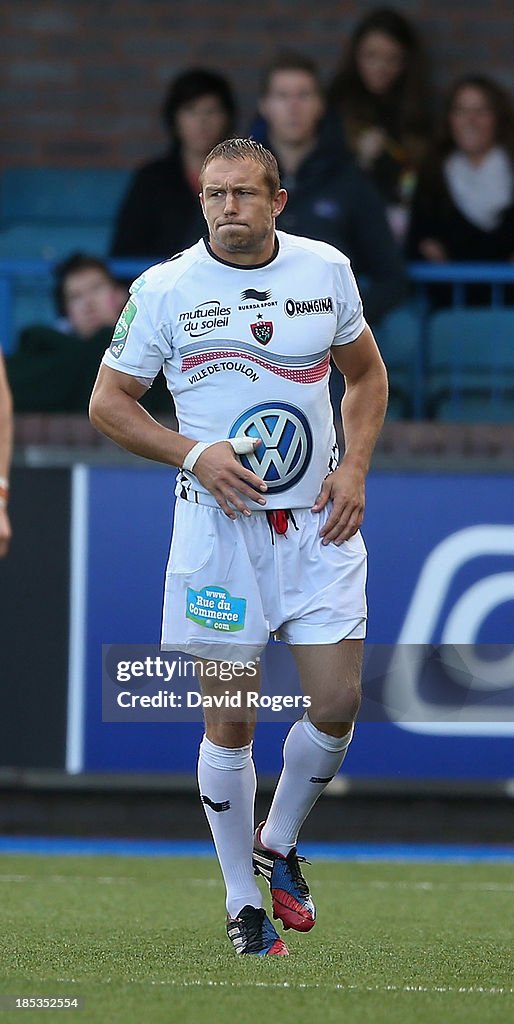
{"x": 278, "y": 519}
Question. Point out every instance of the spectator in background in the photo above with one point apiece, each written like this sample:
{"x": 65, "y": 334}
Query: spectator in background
{"x": 54, "y": 369}
{"x": 160, "y": 214}
{"x": 380, "y": 92}
{"x": 87, "y": 295}
{"x": 463, "y": 208}
{"x": 5, "y": 457}
{"x": 330, "y": 199}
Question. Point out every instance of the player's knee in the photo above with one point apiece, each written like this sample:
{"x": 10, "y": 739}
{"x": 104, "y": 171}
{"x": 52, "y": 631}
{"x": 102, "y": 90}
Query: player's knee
{"x": 336, "y": 705}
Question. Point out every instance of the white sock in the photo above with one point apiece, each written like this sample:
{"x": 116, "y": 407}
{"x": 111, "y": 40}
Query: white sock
{"x": 227, "y": 783}
{"x": 311, "y": 759}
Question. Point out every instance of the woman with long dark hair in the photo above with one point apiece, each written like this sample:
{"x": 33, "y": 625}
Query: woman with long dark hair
{"x": 380, "y": 92}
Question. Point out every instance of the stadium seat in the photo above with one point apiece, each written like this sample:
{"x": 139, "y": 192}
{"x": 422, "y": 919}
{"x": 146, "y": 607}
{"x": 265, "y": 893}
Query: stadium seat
{"x": 60, "y": 195}
{"x": 478, "y": 408}
{"x": 33, "y": 303}
{"x": 471, "y": 365}
{"x": 397, "y": 406}
{"x": 398, "y": 338}
{"x": 48, "y": 213}
{"x": 53, "y": 240}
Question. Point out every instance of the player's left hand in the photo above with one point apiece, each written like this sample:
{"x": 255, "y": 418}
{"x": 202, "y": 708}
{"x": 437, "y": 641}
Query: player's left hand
{"x": 345, "y": 488}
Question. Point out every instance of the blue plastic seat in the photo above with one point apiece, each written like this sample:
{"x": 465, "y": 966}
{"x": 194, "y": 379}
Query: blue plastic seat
{"x": 50, "y": 240}
{"x": 47, "y": 214}
{"x": 60, "y": 195}
{"x": 397, "y": 337}
{"x": 33, "y": 303}
{"x": 479, "y": 408}
{"x": 471, "y": 364}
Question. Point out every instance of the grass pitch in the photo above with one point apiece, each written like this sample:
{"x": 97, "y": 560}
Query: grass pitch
{"x": 143, "y": 940}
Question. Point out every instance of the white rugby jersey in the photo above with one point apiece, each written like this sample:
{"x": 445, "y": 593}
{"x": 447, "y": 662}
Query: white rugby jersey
{"x": 246, "y": 352}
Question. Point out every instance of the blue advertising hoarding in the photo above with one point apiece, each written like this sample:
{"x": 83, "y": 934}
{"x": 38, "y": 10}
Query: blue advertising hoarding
{"x": 441, "y": 571}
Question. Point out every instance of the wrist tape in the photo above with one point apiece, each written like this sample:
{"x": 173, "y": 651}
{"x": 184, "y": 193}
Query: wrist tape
{"x": 240, "y": 445}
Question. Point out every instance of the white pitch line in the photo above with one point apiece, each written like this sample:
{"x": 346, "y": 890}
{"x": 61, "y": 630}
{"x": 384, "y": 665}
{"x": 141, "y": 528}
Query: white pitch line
{"x": 378, "y": 884}
{"x": 495, "y": 990}
{"x": 103, "y": 880}
{"x": 213, "y": 883}
{"x": 423, "y": 886}
{"x": 340, "y": 987}
{"x": 204, "y": 882}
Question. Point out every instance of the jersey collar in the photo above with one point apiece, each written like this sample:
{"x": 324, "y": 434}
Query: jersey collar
{"x": 239, "y": 266}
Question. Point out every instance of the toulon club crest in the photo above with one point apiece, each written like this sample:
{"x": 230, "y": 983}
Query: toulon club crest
{"x": 262, "y": 331}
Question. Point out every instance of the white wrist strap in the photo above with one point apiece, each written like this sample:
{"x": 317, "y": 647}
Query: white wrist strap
{"x": 192, "y": 456}
{"x": 241, "y": 446}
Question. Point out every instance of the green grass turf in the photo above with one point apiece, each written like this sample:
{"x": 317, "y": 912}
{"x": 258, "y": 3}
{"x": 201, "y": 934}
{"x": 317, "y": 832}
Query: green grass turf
{"x": 143, "y": 940}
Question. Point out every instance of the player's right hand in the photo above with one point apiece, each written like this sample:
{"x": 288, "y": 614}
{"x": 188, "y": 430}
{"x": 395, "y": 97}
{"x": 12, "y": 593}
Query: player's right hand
{"x": 222, "y": 473}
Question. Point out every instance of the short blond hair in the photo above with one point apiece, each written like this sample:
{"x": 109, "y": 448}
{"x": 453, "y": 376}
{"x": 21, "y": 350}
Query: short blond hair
{"x": 246, "y": 149}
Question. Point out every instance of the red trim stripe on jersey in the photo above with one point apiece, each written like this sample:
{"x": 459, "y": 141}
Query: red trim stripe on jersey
{"x": 308, "y": 375}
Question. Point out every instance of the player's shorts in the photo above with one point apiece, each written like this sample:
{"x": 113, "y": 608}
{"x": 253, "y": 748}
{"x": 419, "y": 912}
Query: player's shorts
{"x": 232, "y": 583}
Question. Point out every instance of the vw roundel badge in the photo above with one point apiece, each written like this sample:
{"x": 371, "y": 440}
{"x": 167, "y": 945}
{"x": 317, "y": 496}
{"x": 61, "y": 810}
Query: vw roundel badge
{"x": 282, "y": 458}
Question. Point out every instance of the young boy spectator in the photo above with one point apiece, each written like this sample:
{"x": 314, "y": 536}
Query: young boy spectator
{"x": 54, "y": 368}
{"x": 87, "y": 295}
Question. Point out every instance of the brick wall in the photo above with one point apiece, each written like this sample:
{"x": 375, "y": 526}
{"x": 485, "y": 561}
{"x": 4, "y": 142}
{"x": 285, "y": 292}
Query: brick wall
{"x": 81, "y": 80}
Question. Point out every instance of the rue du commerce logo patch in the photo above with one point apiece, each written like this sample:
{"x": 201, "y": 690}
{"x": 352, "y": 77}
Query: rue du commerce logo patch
{"x": 214, "y": 608}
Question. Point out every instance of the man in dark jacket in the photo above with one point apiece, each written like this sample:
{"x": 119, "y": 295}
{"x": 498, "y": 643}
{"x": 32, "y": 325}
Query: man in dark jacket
{"x": 330, "y": 198}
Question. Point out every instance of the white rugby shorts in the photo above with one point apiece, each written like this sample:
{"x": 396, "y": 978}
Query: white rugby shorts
{"x": 232, "y": 583}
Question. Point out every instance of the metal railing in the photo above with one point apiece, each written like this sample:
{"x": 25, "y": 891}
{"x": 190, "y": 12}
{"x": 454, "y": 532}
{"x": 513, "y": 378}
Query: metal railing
{"x": 457, "y": 276}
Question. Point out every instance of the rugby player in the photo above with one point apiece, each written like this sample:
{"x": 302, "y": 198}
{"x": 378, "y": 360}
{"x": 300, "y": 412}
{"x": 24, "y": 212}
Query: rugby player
{"x": 266, "y": 533}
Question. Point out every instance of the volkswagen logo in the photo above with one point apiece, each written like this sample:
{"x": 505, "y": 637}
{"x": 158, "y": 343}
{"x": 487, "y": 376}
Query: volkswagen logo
{"x": 286, "y": 449}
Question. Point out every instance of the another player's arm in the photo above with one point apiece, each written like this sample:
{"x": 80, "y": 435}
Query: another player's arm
{"x": 6, "y": 430}
{"x": 362, "y": 411}
{"x": 115, "y": 411}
